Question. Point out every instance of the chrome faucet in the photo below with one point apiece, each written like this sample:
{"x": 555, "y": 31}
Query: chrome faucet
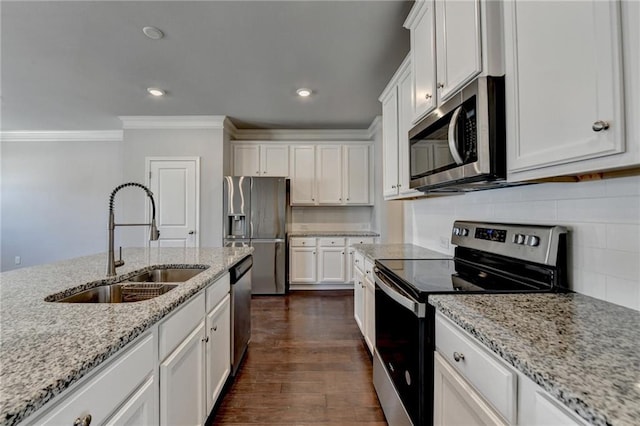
{"x": 112, "y": 264}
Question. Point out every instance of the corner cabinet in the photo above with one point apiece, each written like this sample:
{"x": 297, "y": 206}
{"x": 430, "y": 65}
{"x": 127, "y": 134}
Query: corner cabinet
{"x": 573, "y": 51}
{"x": 260, "y": 159}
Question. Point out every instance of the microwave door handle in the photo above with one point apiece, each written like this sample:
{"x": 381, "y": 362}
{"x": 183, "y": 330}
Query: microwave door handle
{"x": 453, "y": 145}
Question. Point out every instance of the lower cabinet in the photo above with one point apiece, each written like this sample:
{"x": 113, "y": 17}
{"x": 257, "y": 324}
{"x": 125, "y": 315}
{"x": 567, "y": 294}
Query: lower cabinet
{"x": 473, "y": 386}
{"x": 364, "y": 298}
{"x": 302, "y": 265}
{"x": 140, "y": 409}
{"x": 218, "y": 350}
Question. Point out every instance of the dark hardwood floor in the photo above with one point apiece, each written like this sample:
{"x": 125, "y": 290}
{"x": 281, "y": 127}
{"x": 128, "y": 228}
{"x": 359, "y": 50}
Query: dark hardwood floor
{"x": 306, "y": 364}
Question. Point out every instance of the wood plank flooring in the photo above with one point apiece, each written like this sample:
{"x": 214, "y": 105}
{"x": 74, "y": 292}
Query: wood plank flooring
{"x": 306, "y": 364}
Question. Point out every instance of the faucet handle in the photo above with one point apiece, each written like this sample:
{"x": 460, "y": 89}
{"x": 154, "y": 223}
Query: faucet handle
{"x": 119, "y": 262}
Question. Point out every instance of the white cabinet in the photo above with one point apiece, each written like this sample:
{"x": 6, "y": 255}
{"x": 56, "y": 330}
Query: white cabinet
{"x": 140, "y": 409}
{"x": 351, "y": 256}
{"x": 329, "y": 173}
{"x": 397, "y": 112}
{"x": 571, "y": 51}
{"x": 452, "y": 41}
{"x": 358, "y": 298}
{"x": 260, "y": 160}
{"x": 182, "y": 381}
{"x": 456, "y": 402}
{"x": 303, "y": 175}
{"x": 107, "y": 393}
{"x": 218, "y": 350}
{"x": 302, "y": 262}
{"x": 369, "y": 305}
{"x": 331, "y": 260}
{"x": 458, "y": 48}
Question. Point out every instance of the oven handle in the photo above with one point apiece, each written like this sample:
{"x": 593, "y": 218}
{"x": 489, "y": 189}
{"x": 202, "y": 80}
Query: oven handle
{"x": 453, "y": 145}
{"x": 393, "y": 292}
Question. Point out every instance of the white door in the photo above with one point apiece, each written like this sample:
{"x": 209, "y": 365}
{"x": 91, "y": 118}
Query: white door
{"x": 329, "y": 174}
{"x": 175, "y": 183}
{"x": 356, "y": 174}
{"x": 303, "y": 265}
{"x": 331, "y": 265}
{"x": 274, "y": 160}
{"x": 246, "y": 160}
{"x": 423, "y": 63}
{"x": 358, "y": 298}
{"x": 140, "y": 409}
{"x": 303, "y": 174}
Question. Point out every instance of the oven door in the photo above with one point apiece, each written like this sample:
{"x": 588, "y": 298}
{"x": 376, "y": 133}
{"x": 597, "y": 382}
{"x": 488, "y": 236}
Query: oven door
{"x": 401, "y": 352}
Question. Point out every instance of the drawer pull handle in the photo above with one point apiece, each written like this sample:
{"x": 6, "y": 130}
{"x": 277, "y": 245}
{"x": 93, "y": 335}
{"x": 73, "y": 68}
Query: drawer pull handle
{"x": 599, "y": 126}
{"x": 85, "y": 421}
{"x": 457, "y": 356}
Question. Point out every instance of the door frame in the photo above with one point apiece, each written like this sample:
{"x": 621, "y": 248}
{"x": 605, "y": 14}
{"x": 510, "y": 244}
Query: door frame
{"x": 147, "y": 174}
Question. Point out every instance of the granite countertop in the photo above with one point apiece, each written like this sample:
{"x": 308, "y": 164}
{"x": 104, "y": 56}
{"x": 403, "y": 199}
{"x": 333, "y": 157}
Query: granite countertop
{"x": 583, "y": 351}
{"x": 398, "y": 251}
{"x": 333, "y": 234}
{"x": 47, "y": 346}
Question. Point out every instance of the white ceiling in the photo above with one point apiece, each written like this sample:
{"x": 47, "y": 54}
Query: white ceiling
{"x": 78, "y": 65}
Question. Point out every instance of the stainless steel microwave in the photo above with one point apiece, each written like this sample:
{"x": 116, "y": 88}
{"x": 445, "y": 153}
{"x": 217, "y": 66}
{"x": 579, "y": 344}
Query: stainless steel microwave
{"x": 461, "y": 145}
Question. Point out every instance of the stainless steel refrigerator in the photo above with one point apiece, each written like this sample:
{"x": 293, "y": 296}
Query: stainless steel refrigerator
{"x": 255, "y": 213}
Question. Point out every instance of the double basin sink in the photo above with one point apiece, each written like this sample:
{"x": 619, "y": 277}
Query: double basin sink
{"x": 143, "y": 286}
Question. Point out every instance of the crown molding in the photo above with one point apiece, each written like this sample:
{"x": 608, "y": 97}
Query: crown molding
{"x": 62, "y": 136}
{"x": 174, "y": 122}
{"x": 375, "y": 127}
{"x": 303, "y": 134}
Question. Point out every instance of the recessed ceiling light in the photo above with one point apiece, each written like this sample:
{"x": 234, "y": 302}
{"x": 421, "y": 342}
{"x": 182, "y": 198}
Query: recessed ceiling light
{"x": 154, "y": 91}
{"x": 153, "y": 33}
{"x": 304, "y": 92}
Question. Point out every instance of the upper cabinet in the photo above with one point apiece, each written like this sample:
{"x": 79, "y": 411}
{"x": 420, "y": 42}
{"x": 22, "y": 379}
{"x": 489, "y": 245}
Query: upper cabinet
{"x": 452, "y": 41}
{"x": 256, "y": 159}
{"x": 331, "y": 174}
{"x": 397, "y": 112}
{"x": 565, "y": 90}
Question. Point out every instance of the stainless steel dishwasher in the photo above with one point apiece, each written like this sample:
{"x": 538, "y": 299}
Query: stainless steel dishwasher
{"x": 240, "y": 275}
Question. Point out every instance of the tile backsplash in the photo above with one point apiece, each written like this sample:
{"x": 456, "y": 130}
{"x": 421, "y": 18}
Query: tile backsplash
{"x": 603, "y": 218}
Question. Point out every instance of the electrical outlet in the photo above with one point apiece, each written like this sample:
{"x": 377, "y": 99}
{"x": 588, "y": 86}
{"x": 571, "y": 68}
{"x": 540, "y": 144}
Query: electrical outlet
{"x": 17, "y": 260}
{"x": 444, "y": 243}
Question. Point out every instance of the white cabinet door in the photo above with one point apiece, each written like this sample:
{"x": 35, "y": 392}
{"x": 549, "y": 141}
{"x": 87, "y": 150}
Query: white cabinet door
{"x": 356, "y": 174}
{"x": 331, "y": 264}
{"x": 423, "y": 60}
{"x": 329, "y": 174}
{"x": 274, "y": 160}
{"x": 140, "y": 409}
{"x": 458, "y": 44}
{"x": 218, "y": 350}
{"x": 303, "y": 265}
{"x": 405, "y": 115}
{"x": 570, "y": 51}
{"x": 182, "y": 382}
{"x": 390, "y": 144}
{"x": 350, "y": 264}
{"x": 455, "y": 402}
{"x": 369, "y": 313}
{"x": 303, "y": 175}
{"x": 246, "y": 160}
{"x": 358, "y": 298}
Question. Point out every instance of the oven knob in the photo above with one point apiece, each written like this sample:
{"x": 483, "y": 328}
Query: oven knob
{"x": 464, "y": 232}
{"x": 519, "y": 239}
{"x": 456, "y": 231}
{"x": 532, "y": 240}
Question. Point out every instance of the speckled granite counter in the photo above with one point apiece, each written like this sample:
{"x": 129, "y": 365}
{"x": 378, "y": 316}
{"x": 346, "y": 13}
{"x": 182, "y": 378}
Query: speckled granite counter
{"x": 398, "y": 251}
{"x": 45, "y": 346}
{"x": 333, "y": 234}
{"x": 583, "y": 351}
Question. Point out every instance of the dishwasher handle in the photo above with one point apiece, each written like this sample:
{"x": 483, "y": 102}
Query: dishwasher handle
{"x": 240, "y": 269}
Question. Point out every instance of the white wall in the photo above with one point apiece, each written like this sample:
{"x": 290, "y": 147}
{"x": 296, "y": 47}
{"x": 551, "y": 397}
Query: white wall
{"x": 141, "y": 143}
{"x": 55, "y": 199}
{"x": 603, "y": 218}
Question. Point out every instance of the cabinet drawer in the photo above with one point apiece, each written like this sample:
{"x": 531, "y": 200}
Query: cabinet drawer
{"x": 103, "y": 394}
{"x": 217, "y": 291}
{"x": 331, "y": 242}
{"x": 359, "y": 240}
{"x": 358, "y": 261}
{"x": 491, "y": 377}
{"x": 174, "y": 329}
{"x": 302, "y": 242}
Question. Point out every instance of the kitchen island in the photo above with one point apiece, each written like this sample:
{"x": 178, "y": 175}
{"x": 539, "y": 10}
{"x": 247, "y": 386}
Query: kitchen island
{"x": 583, "y": 351}
{"x": 45, "y": 347}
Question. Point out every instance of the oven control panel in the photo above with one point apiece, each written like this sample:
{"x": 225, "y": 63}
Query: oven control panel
{"x": 535, "y": 243}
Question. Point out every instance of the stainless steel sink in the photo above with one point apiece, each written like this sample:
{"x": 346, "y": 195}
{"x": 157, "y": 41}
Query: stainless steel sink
{"x": 119, "y": 293}
{"x": 173, "y": 275}
{"x": 143, "y": 286}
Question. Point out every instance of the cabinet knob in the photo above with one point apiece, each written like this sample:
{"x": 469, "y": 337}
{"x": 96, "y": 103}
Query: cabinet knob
{"x": 214, "y": 328}
{"x": 348, "y": 199}
{"x": 84, "y": 421}
{"x": 206, "y": 339}
{"x": 399, "y": 185}
{"x": 314, "y": 252}
{"x": 192, "y": 232}
{"x": 457, "y": 356}
{"x": 440, "y": 85}
{"x": 313, "y": 199}
{"x": 342, "y": 252}
{"x": 393, "y": 186}
{"x": 428, "y": 96}
{"x": 600, "y": 125}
